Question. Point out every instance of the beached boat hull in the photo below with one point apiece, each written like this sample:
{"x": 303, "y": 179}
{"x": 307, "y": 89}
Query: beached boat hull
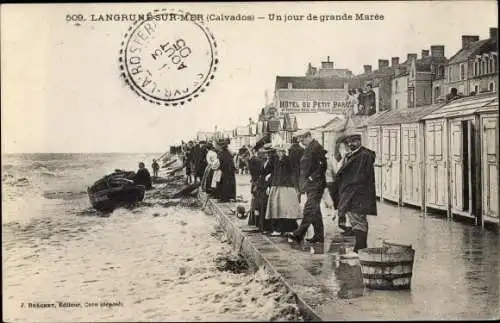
{"x": 108, "y": 194}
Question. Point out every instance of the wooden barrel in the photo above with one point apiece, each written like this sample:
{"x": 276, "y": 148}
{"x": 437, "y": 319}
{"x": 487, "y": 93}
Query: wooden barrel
{"x": 388, "y": 267}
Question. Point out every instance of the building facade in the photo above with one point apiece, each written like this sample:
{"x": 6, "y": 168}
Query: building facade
{"x": 423, "y": 72}
{"x": 473, "y": 69}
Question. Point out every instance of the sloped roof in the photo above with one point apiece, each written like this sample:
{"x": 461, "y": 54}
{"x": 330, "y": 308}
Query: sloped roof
{"x": 492, "y": 106}
{"x": 312, "y": 120}
{"x": 363, "y": 121}
{"x": 403, "y": 116}
{"x": 470, "y": 50}
{"x": 302, "y": 82}
{"x": 337, "y": 124}
{"x": 465, "y": 106}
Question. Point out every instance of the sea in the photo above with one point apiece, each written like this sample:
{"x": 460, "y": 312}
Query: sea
{"x": 65, "y": 261}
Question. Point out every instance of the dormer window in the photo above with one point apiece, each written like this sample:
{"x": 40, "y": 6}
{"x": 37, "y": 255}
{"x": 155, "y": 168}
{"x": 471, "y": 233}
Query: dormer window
{"x": 290, "y": 85}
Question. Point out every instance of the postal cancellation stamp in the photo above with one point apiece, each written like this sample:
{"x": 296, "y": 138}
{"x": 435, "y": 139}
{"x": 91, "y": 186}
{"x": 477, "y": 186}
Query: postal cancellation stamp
{"x": 168, "y": 59}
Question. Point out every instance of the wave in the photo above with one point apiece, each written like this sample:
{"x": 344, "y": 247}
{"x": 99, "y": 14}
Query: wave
{"x": 55, "y": 195}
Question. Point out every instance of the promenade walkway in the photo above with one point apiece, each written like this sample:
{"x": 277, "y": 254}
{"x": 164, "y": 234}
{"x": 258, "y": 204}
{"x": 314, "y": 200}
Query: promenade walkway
{"x": 455, "y": 276}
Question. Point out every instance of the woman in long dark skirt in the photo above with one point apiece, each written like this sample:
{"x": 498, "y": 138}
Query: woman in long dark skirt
{"x": 283, "y": 209}
{"x": 226, "y": 188}
{"x": 262, "y": 190}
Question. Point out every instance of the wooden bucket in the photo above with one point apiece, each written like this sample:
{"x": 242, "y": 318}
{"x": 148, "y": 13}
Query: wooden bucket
{"x": 389, "y": 267}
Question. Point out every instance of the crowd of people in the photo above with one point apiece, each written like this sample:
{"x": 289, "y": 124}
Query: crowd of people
{"x": 361, "y": 101}
{"x": 213, "y": 166}
{"x": 289, "y": 183}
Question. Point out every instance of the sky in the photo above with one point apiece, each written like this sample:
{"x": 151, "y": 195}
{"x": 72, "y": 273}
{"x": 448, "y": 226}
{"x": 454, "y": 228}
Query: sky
{"x": 61, "y": 85}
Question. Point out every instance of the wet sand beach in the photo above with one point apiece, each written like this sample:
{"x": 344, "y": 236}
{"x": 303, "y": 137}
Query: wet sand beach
{"x": 150, "y": 263}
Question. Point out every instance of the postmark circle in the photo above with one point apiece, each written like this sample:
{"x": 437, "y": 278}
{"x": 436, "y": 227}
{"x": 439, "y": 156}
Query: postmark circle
{"x": 168, "y": 58}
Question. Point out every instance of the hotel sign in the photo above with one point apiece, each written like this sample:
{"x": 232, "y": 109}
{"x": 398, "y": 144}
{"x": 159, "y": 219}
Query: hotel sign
{"x": 334, "y": 107}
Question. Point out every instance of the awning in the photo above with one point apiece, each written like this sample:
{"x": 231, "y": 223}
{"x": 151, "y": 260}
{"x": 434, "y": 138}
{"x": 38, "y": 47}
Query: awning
{"x": 396, "y": 117}
{"x": 312, "y": 120}
{"x": 462, "y": 107}
{"x": 335, "y": 125}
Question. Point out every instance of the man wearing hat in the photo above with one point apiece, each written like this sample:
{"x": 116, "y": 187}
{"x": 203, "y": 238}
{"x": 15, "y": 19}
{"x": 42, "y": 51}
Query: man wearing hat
{"x": 356, "y": 188}
{"x": 226, "y": 188}
{"x": 312, "y": 183}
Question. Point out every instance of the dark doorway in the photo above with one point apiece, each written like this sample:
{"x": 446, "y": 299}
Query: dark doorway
{"x": 467, "y": 165}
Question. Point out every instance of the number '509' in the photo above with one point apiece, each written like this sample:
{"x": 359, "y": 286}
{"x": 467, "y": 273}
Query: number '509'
{"x": 78, "y": 17}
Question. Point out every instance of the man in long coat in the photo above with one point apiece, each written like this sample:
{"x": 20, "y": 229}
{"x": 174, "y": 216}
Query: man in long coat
{"x": 312, "y": 183}
{"x": 226, "y": 188}
{"x": 356, "y": 189}
{"x": 295, "y": 153}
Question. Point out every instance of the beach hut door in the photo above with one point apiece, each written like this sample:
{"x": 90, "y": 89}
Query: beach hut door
{"x": 490, "y": 170}
{"x": 436, "y": 195}
{"x": 411, "y": 171}
{"x": 461, "y": 165}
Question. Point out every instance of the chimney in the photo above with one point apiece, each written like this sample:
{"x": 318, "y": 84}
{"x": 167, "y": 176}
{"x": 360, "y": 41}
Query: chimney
{"x": 493, "y": 33}
{"x": 467, "y": 39}
{"x": 367, "y": 68}
{"x": 425, "y": 53}
{"x": 410, "y": 57}
{"x": 437, "y": 51}
{"x": 394, "y": 61}
{"x": 383, "y": 63}
{"x": 327, "y": 64}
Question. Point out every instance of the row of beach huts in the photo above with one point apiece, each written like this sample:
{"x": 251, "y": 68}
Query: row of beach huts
{"x": 440, "y": 157}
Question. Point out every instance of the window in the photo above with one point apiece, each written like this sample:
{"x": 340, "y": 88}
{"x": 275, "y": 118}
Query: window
{"x": 492, "y": 87}
{"x": 437, "y": 92}
{"x": 462, "y": 71}
{"x": 396, "y": 86}
{"x": 475, "y": 68}
{"x": 476, "y": 88}
{"x": 449, "y": 74}
{"x": 480, "y": 68}
{"x": 411, "y": 96}
{"x": 397, "y": 103}
{"x": 491, "y": 65}
{"x": 289, "y": 85}
{"x": 485, "y": 70}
